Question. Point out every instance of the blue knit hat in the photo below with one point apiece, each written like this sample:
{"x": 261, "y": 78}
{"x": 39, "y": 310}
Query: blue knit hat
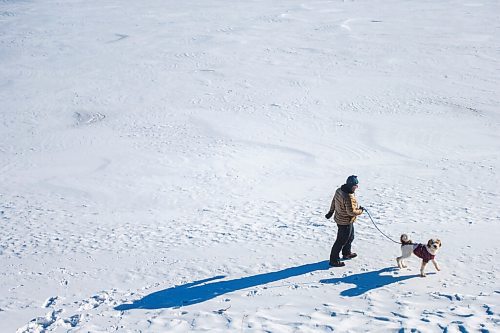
{"x": 352, "y": 180}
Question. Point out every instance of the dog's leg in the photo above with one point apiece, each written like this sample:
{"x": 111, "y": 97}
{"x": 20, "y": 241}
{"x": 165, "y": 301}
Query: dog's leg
{"x": 422, "y": 268}
{"x": 401, "y": 263}
{"x": 436, "y": 264}
{"x": 405, "y": 253}
{"x": 399, "y": 260}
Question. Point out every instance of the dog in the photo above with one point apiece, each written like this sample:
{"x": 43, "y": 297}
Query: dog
{"x": 426, "y": 252}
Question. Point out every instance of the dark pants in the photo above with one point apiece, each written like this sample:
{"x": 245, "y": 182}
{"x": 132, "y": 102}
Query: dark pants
{"x": 345, "y": 236}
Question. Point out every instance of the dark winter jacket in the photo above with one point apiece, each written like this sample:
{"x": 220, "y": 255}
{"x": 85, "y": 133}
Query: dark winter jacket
{"x": 345, "y": 206}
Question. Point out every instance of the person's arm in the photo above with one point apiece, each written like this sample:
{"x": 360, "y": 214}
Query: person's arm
{"x": 351, "y": 207}
{"x": 332, "y": 206}
{"x": 332, "y": 209}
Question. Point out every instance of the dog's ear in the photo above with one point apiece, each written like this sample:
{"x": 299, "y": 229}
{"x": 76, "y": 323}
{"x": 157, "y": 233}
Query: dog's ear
{"x": 439, "y": 242}
{"x": 429, "y": 242}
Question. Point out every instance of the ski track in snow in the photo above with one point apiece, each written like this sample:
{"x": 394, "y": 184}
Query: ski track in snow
{"x": 166, "y": 167}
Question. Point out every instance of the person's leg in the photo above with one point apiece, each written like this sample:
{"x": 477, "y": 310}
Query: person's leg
{"x": 346, "y": 249}
{"x": 343, "y": 235}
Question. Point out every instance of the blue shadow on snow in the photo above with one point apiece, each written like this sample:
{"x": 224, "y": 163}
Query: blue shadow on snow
{"x": 204, "y": 290}
{"x": 368, "y": 281}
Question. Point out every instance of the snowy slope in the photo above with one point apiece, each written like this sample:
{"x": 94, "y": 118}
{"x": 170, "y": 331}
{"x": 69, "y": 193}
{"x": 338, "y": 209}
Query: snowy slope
{"x": 166, "y": 165}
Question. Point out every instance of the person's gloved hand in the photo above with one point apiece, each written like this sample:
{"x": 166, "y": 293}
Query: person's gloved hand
{"x": 328, "y": 215}
{"x": 362, "y": 208}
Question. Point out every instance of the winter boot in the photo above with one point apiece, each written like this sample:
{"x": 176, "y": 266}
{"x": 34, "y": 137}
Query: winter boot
{"x": 349, "y": 256}
{"x": 337, "y": 263}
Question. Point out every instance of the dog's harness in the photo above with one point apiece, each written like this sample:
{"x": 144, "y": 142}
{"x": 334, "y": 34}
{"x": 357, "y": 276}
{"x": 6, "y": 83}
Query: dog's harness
{"x": 421, "y": 252}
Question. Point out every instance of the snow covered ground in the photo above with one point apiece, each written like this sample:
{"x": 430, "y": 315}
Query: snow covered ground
{"x": 165, "y": 166}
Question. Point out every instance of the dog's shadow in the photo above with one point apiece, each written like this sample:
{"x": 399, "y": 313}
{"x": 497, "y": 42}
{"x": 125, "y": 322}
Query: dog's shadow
{"x": 368, "y": 281}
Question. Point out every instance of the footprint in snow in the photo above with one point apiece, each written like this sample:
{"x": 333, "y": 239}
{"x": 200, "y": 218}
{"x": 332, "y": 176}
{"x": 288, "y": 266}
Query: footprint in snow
{"x": 84, "y": 118}
{"x": 51, "y": 301}
{"x": 95, "y": 301}
{"x": 251, "y": 293}
{"x": 41, "y": 324}
{"x": 72, "y": 321}
{"x": 489, "y": 312}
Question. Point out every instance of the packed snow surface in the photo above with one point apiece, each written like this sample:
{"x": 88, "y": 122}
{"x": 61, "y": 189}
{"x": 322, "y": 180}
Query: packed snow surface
{"x": 165, "y": 166}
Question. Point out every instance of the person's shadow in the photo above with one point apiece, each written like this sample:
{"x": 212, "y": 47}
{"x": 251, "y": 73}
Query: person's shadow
{"x": 367, "y": 281}
{"x": 204, "y": 290}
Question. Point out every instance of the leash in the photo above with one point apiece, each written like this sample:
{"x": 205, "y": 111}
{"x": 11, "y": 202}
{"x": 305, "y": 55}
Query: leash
{"x": 379, "y": 229}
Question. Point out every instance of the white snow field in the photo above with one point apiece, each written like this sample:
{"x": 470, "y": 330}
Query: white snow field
{"x": 165, "y": 166}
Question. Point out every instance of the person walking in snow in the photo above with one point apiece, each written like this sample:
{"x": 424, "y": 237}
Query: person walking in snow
{"x": 345, "y": 207}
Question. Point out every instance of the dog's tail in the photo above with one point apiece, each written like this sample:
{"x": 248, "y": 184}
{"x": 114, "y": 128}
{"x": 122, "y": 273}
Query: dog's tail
{"x": 405, "y": 240}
